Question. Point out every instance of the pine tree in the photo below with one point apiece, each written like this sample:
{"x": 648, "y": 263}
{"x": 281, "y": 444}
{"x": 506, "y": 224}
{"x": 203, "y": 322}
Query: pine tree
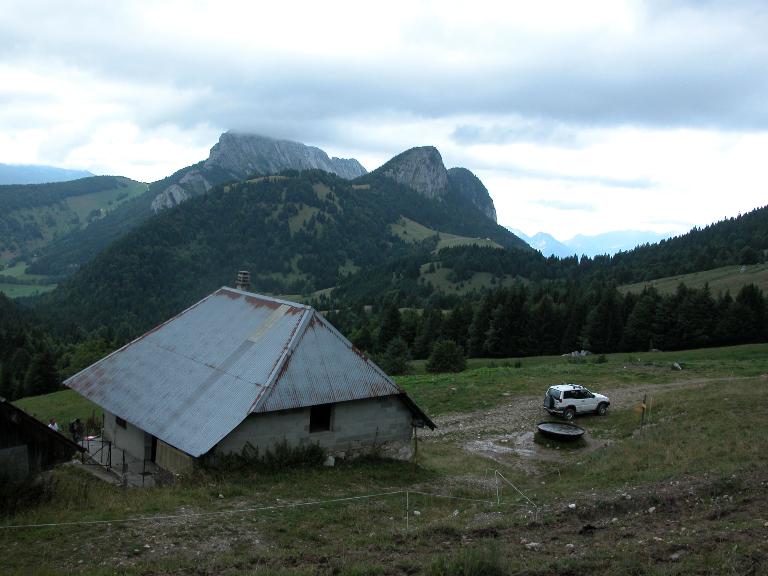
{"x": 390, "y": 326}
{"x": 396, "y": 357}
{"x": 41, "y": 376}
{"x": 446, "y": 356}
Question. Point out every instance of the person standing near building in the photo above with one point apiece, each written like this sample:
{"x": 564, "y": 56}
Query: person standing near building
{"x": 53, "y": 425}
{"x": 76, "y": 429}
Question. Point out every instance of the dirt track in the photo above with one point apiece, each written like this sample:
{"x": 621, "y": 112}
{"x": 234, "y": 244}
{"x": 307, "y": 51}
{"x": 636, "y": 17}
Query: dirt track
{"x": 523, "y": 411}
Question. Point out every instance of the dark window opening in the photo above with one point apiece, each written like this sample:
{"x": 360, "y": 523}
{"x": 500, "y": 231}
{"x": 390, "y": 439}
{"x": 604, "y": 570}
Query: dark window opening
{"x": 320, "y": 418}
{"x": 120, "y": 422}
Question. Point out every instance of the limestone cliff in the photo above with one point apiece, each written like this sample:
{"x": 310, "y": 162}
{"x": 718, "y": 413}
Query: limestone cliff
{"x": 237, "y": 156}
{"x": 469, "y": 186}
{"x": 419, "y": 168}
{"x": 422, "y": 169}
{"x": 244, "y": 154}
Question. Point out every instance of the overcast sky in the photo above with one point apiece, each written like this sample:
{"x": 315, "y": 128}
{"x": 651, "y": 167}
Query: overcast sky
{"x": 580, "y": 117}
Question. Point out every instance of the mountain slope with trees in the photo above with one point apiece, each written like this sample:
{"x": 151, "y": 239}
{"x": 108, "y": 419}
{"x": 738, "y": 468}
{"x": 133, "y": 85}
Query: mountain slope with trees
{"x": 296, "y": 233}
{"x": 33, "y": 215}
{"x": 235, "y": 157}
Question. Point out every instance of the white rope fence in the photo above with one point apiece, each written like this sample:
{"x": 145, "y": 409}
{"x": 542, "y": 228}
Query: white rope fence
{"x": 273, "y": 507}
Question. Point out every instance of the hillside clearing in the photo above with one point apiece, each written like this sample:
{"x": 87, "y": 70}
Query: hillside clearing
{"x": 411, "y": 231}
{"x": 730, "y": 278}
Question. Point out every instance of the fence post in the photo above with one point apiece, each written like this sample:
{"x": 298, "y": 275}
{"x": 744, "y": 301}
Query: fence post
{"x": 407, "y": 511}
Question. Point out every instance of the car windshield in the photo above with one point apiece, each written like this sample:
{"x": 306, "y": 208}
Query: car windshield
{"x": 554, "y": 392}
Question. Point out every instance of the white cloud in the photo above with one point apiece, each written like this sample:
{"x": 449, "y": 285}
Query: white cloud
{"x": 653, "y": 113}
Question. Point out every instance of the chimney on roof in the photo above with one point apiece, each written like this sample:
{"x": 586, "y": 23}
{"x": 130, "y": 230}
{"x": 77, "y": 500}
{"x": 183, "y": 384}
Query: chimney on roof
{"x": 243, "y": 280}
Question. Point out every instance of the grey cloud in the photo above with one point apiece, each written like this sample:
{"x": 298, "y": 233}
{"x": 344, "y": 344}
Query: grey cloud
{"x": 699, "y": 66}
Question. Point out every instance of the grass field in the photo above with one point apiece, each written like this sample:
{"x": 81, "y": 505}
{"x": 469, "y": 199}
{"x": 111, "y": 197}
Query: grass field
{"x": 105, "y": 200}
{"x": 411, "y": 231}
{"x": 486, "y": 381}
{"x": 65, "y": 406}
{"x": 19, "y": 271}
{"x": 23, "y": 290}
{"x": 684, "y": 495}
{"x": 730, "y": 278}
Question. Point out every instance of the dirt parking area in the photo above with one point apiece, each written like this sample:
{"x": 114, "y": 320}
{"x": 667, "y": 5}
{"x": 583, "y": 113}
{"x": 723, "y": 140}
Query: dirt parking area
{"x": 523, "y": 412}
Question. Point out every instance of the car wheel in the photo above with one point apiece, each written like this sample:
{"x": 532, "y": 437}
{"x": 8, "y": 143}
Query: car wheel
{"x": 569, "y": 413}
{"x": 602, "y": 408}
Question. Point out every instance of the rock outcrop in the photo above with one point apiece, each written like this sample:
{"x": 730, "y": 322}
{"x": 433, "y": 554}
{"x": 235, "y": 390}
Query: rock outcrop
{"x": 237, "y": 156}
{"x": 422, "y": 169}
{"x": 470, "y": 187}
{"x": 168, "y": 198}
{"x": 245, "y": 154}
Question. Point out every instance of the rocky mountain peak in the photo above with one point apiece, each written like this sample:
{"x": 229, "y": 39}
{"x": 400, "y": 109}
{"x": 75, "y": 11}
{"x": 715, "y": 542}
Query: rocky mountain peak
{"x": 245, "y": 154}
{"x": 421, "y": 169}
{"x": 237, "y": 156}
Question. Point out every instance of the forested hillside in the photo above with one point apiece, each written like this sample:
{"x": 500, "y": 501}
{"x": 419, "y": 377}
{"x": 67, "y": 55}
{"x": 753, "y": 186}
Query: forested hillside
{"x": 557, "y": 318}
{"x": 296, "y": 233}
{"x": 27, "y": 355}
{"x": 33, "y": 215}
{"x": 735, "y": 241}
{"x": 236, "y": 156}
{"x": 67, "y": 253}
{"x": 739, "y": 240}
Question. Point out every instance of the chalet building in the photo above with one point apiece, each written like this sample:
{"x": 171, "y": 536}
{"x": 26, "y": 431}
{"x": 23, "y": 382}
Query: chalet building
{"x": 239, "y": 368}
{"x": 27, "y": 446}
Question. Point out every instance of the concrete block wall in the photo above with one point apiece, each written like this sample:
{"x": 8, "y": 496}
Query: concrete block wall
{"x": 131, "y": 439}
{"x": 355, "y": 425}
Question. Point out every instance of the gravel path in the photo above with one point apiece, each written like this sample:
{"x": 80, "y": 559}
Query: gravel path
{"x": 523, "y": 411}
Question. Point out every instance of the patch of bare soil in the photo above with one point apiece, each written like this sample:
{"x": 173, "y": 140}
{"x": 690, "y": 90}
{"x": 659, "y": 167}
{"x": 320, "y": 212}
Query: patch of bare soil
{"x": 522, "y": 451}
{"x": 524, "y": 412}
{"x": 132, "y": 544}
{"x": 665, "y": 523}
{"x": 506, "y": 434}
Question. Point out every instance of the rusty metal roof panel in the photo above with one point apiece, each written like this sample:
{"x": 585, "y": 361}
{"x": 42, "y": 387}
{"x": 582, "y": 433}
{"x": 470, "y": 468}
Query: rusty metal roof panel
{"x": 324, "y": 368}
{"x": 191, "y": 380}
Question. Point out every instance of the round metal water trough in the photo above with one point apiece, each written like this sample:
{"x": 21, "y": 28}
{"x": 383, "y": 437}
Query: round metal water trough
{"x": 561, "y": 430}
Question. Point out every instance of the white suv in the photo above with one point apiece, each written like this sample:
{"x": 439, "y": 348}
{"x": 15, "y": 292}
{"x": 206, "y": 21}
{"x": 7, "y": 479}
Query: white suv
{"x": 567, "y": 400}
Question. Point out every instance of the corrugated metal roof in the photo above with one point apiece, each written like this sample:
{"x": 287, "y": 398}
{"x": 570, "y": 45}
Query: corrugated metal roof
{"x": 194, "y": 378}
{"x": 324, "y": 368}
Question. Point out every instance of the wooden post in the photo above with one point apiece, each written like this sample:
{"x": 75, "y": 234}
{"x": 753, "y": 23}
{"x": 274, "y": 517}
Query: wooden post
{"x": 407, "y": 512}
{"x": 642, "y": 417}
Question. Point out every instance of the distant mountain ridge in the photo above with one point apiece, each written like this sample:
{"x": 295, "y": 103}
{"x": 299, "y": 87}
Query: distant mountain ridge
{"x": 590, "y": 245}
{"x": 238, "y": 155}
{"x": 38, "y": 174}
{"x": 297, "y": 233}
